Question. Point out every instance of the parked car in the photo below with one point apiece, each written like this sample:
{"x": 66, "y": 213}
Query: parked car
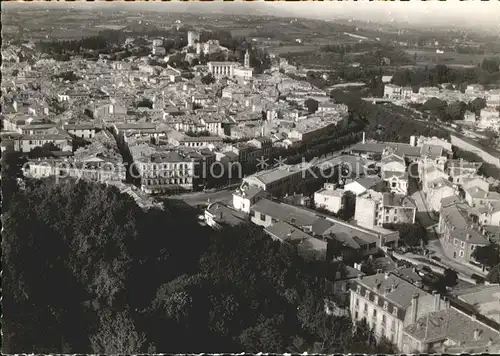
{"x": 478, "y": 278}
{"x": 435, "y": 258}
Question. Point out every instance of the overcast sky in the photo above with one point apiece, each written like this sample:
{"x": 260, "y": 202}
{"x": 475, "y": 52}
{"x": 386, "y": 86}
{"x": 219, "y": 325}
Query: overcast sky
{"x": 470, "y": 13}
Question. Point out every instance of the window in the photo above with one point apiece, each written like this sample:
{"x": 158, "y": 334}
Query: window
{"x": 374, "y": 313}
{"x": 462, "y": 244}
{"x": 262, "y": 217}
{"x": 387, "y": 219}
{"x": 367, "y": 294}
{"x": 394, "y": 184}
{"x": 394, "y": 311}
{"x": 395, "y": 218}
{"x": 344, "y": 287}
{"x": 472, "y": 247}
{"x": 455, "y": 242}
{"x": 356, "y": 302}
{"x": 365, "y": 307}
{"x": 358, "y": 289}
{"x": 383, "y": 319}
{"x": 386, "y": 305}
{"x": 461, "y": 253}
{"x": 375, "y": 299}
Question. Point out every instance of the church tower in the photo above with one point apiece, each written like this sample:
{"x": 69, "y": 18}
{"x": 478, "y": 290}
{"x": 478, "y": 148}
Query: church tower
{"x": 247, "y": 59}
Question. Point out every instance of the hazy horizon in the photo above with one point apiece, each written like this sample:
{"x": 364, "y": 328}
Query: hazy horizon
{"x": 479, "y": 14}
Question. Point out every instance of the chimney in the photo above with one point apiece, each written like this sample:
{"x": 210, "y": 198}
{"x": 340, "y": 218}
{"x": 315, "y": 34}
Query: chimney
{"x": 473, "y": 317}
{"x": 468, "y": 236}
{"x": 364, "y": 137}
{"x": 386, "y": 275}
{"x": 476, "y": 334}
{"x": 446, "y": 302}
{"x": 414, "y": 308}
{"x": 437, "y": 300}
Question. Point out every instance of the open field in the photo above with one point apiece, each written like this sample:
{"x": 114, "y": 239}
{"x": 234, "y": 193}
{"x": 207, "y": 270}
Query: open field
{"x": 293, "y": 48}
{"x": 430, "y": 57}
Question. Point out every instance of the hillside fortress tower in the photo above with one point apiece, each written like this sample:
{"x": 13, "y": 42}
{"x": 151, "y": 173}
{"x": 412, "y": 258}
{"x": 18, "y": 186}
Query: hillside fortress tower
{"x": 247, "y": 59}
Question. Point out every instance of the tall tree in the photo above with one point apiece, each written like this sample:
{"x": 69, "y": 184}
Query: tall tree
{"x": 117, "y": 335}
{"x": 487, "y": 255}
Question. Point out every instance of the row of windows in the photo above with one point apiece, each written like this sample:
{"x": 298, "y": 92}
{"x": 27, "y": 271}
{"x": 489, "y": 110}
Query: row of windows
{"x": 462, "y": 243}
{"x": 167, "y": 181}
{"x": 367, "y": 295}
{"x": 176, "y": 166}
{"x": 387, "y": 323}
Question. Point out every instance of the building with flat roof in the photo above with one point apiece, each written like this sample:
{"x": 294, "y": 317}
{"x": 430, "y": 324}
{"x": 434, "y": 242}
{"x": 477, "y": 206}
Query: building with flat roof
{"x": 329, "y": 198}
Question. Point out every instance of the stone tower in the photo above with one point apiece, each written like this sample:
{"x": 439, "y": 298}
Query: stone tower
{"x": 247, "y": 59}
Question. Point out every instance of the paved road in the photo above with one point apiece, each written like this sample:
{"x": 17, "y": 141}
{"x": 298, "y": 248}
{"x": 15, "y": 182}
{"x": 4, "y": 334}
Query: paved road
{"x": 197, "y": 198}
{"x": 437, "y": 249}
{"x": 423, "y": 215}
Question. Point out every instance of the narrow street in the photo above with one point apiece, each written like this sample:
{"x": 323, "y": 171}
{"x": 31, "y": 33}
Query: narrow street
{"x": 437, "y": 249}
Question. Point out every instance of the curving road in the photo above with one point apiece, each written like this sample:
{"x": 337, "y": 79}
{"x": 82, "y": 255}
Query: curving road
{"x": 198, "y": 198}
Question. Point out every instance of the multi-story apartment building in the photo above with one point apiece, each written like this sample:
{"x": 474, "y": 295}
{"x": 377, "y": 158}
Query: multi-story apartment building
{"x": 37, "y": 129}
{"x": 92, "y": 169}
{"x": 389, "y": 303}
{"x": 393, "y": 171}
{"x": 329, "y": 198}
{"x": 276, "y": 181}
{"x": 375, "y": 209}
{"x": 251, "y": 151}
{"x": 246, "y": 196}
{"x": 174, "y": 171}
{"x": 26, "y": 143}
{"x": 452, "y": 331}
{"x": 396, "y": 92}
{"x": 431, "y": 141}
{"x": 460, "y": 235}
{"x": 490, "y": 214}
{"x": 493, "y": 98}
{"x": 436, "y": 191}
{"x": 478, "y": 197}
{"x": 81, "y": 130}
{"x": 365, "y": 241}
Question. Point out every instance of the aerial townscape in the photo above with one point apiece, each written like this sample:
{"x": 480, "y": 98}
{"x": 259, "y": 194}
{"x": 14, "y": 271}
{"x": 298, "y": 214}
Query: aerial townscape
{"x": 190, "y": 177}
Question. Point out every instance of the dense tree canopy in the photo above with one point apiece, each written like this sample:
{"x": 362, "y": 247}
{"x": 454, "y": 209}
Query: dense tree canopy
{"x": 487, "y": 255}
{"x": 106, "y": 277}
{"x": 145, "y": 103}
{"x": 411, "y": 234}
{"x": 312, "y": 105}
{"x": 208, "y": 79}
{"x": 494, "y": 274}
{"x": 488, "y": 73}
